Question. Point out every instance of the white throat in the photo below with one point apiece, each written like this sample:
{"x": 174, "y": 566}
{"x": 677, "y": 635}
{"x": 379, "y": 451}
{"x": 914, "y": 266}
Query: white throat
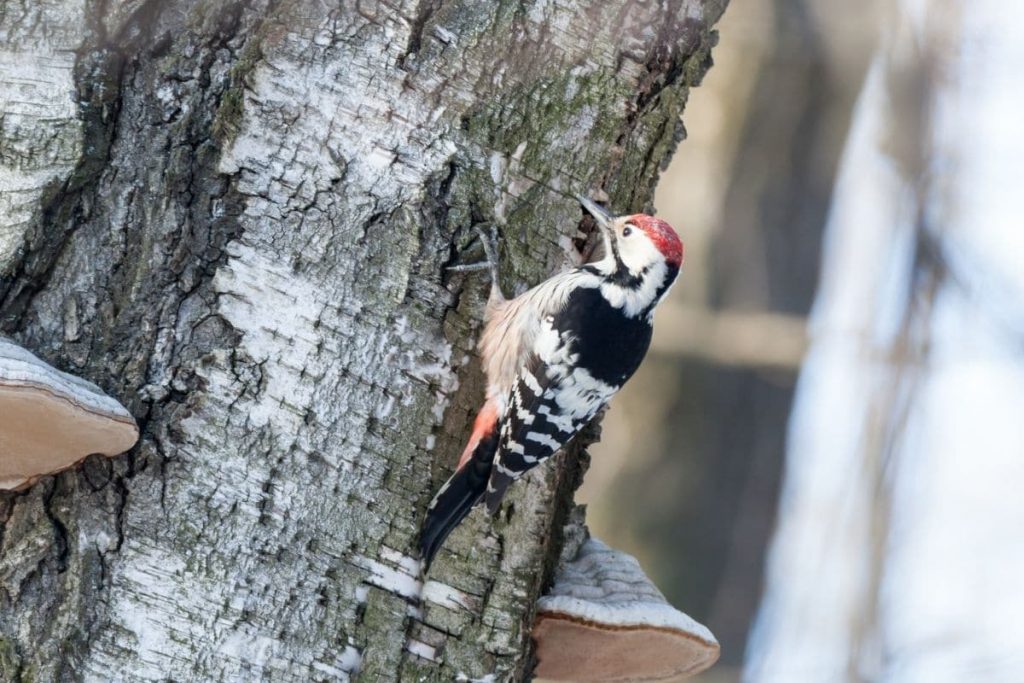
{"x": 634, "y": 300}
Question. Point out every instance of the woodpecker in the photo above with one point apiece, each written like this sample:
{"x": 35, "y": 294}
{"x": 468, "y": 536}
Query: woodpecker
{"x": 553, "y": 357}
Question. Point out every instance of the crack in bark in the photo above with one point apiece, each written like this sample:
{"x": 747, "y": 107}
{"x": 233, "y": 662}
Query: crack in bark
{"x": 61, "y": 209}
{"x": 424, "y": 11}
{"x": 60, "y": 531}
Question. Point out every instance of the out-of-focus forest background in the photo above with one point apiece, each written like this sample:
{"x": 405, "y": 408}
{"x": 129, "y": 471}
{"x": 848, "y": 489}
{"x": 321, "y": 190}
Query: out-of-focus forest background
{"x": 687, "y": 474}
{"x": 849, "y": 314}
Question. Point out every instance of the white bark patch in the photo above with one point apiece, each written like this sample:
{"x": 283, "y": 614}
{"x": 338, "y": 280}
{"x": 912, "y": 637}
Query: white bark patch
{"x": 395, "y": 580}
{"x": 40, "y": 134}
{"x": 447, "y": 596}
{"x": 422, "y": 650}
{"x": 331, "y": 370}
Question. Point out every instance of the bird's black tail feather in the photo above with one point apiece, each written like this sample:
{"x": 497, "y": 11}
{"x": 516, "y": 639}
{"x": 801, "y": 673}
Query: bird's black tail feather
{"x": 456, "y": 498}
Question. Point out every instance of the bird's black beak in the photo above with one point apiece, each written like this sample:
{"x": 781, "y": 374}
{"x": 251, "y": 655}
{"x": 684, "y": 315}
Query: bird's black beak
{"x": 600, "y": 214}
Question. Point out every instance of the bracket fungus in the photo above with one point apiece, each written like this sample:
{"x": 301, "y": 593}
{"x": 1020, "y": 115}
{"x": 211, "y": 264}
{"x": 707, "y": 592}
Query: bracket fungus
{"x": 604, "y": 621}
{"x": 50, "y": 420}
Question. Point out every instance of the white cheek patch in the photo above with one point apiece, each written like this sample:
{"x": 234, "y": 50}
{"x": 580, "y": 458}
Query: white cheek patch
{"x": 638, "y": 252}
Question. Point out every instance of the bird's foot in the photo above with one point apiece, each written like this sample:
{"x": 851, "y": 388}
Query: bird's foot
{"x": 489, "y": 241}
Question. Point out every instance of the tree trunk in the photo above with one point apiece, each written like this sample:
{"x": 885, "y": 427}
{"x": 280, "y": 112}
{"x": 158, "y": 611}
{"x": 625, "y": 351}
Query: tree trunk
{"x": 235, "y": 218}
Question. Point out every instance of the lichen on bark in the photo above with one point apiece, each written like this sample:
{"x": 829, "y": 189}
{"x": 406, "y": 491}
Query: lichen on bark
{"x": 249, "y": 252}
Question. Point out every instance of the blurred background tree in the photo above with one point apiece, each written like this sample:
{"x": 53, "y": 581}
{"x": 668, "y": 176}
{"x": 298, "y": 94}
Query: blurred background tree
{"x": 687, "y": 474}
{"x": 895, "y": 551}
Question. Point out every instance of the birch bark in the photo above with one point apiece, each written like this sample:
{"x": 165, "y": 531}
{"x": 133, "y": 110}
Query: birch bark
{"x": 235, "y": 217}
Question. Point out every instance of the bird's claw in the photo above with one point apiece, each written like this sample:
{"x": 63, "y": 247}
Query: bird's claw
{"x": 490, "y": 244}
{"x": 489, "y": 241}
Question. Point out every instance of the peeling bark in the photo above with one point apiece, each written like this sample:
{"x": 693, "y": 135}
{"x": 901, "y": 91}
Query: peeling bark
{"x": 235, "y": 217}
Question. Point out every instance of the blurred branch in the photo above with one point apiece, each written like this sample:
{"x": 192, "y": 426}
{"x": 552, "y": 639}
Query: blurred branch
{"x": 746, "y": 339}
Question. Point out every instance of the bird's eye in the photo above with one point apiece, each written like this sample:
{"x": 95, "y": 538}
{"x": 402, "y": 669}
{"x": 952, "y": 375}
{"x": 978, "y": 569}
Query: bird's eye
{"x": 627, "y": 231}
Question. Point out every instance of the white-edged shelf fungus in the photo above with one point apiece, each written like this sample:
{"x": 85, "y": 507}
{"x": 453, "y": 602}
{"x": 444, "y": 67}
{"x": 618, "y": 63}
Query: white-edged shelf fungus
{"x": 50, "y": 420}
{"x": 604, "y": 621}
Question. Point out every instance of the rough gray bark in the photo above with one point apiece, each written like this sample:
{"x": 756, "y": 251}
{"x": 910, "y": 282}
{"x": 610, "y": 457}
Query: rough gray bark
{"x": 235, "y": 217}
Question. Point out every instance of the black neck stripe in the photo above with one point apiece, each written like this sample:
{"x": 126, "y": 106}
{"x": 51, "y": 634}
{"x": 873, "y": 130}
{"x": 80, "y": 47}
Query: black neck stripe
{"x": 671, "y": 272}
